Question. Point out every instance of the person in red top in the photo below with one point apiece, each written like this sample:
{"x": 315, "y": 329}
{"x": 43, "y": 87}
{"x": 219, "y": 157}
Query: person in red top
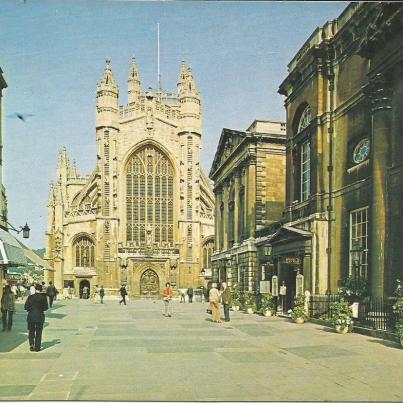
{"x": 167, "y": 299}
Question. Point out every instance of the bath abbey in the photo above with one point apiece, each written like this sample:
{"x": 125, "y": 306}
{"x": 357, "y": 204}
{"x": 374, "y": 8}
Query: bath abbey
{"x": 144, "y": 216}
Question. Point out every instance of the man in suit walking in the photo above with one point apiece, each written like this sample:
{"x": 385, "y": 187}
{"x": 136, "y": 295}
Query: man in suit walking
{"x": 36, "y": 304}
{"x": 51, "y": 292}
{"x": 190, "y": 294}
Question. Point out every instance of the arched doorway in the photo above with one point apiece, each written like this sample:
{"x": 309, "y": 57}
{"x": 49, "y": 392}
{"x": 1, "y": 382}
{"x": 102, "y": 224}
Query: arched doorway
{"x": 84, "y": 283}
{"x": 149, "y": 284}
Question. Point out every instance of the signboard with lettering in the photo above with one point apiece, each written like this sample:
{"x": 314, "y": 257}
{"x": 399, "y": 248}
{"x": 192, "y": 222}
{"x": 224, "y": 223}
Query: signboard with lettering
{"x": 265, "y": 287}
{"x": 292, "y": 260}
{"x": 274, "y": 286}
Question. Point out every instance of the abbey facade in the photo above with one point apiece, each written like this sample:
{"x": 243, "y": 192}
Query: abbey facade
{"x": 144, "y": 216}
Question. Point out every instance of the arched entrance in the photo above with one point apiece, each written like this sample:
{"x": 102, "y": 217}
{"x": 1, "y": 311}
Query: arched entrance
{"x": 149, "y": 284}
{"x": 85, "y": 283}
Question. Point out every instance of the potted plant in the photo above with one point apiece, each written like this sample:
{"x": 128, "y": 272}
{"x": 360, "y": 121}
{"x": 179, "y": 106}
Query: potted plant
{"x": 236, "y": 297}
{"x": 267, "y": 304}
{"x": 354, "y": 289}
{"x": 399, "y": 329}
{"x": 298, "y": 312}
{"x": 341, "y": 317}
{"x": 250, "y": 301}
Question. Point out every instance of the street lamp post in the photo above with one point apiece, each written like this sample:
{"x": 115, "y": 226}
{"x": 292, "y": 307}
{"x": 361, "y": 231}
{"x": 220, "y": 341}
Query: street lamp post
{"x": 25, "y": 230}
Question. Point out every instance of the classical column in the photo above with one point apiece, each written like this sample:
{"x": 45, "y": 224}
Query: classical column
{"x": 218, "y": 235}
{"x": 225, "y": 215}
{"x": 236, "y": 208}
{"x": 379, "y": 91}
{"x": 251, "y": 198}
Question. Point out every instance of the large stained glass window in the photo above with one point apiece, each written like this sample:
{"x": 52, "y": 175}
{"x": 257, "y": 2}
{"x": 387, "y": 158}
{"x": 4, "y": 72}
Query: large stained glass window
{"x": 149, "y": 197}
{"x": 84, "y": 249}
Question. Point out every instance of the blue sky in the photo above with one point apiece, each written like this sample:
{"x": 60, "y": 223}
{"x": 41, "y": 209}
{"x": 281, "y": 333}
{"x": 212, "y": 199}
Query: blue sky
{"x": 53, "y": 53}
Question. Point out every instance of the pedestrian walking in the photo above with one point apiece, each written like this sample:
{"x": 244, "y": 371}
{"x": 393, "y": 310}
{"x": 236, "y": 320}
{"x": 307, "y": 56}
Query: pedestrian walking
{"x": 214, "y": 297}
{"x": 102, "y": 294}
{"x": 51, "y": 292}
{"x": 123, "y": 294}
{"x": 95, "y": 292}
{"x": 85, "y": 292}
{"x": 69, "y": 292}
{"x": 167, "y": 299}
{"x": 226, "y": 300}
{"x": 36, "y": 304}
{"x": 190, "y": 294}
{"x": 183, "y": 296}
{"x": 7, "y": 308}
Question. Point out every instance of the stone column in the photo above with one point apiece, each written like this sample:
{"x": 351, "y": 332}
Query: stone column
{"x": 251, "y": 198}
{"x": 218, "y": 235}
{"x": 236, "y": 208}
{"x": 225, "y": 215}
{"x": 379, "y": 91}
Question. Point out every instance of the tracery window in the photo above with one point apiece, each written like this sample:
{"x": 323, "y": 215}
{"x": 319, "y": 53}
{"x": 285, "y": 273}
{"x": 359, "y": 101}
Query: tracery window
{"x": 84, "y": 249}
{"x": 305, "y": 170}
{"x": 149, "y": 197}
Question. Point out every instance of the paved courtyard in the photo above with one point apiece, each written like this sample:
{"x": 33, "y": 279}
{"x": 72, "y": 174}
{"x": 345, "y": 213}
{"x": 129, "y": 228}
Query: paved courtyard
{"x": 111, "y": 352}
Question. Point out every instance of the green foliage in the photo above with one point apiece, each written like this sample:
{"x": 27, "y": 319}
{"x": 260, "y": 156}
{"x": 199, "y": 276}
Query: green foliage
{"x": 298, "y": 311}
{"x": 341, "y": 315}
{"x": 267, "y": 303}
{"x": 354, "y": 288}
{"x": 250, "y": 300}
{"x": 399, "y": 329}
{"x": 236, "y": 295}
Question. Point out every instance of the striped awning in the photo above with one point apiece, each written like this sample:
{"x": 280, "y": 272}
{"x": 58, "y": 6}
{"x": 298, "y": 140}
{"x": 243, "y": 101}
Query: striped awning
{"x": 11, "y": 252}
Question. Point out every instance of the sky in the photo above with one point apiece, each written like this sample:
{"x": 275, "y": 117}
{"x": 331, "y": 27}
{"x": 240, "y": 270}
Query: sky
{"x": 53, "y": 53}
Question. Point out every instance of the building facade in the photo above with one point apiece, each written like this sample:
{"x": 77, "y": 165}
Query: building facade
{"x": 249, "y": 187}
{"x": 145, "y": 214}
{"x": 344, "y": 186}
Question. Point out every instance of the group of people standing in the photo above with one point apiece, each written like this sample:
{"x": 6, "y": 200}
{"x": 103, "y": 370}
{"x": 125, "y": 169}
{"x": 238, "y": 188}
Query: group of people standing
{"x": 36, "y": 304}
{"x": 189, "y": 293}
{"x": 215, "y": 296}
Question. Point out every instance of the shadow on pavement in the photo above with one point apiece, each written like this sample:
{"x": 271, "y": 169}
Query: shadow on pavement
{"x": 387, "y": 343}
{"x": 55, "y": 315}
{"x": 48, "y": 344}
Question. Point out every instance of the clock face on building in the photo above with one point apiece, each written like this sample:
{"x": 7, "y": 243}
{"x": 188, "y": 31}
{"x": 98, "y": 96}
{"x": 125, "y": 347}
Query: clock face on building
{"x": 361, "y": 151}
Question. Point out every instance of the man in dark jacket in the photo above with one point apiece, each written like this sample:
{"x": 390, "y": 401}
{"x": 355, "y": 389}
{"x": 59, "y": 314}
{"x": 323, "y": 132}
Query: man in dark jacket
{"x": 190, "y": 294}
{"x": 51, "y": 292}
{"x": 123, "y": 294}
{"x": 36, "y": 304}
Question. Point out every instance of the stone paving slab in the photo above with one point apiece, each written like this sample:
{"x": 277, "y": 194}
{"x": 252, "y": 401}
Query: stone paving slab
{"x": 111, "y": 352}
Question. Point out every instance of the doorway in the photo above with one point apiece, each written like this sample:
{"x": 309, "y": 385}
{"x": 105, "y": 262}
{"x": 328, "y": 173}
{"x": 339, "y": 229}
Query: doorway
{"x": 84, "y": 283}
{"x": 149, "y": 284}
{"x": 289, "y": 276}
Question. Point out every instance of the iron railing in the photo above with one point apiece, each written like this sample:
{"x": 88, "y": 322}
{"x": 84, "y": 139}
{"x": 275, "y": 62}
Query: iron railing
{"x": 373, "y": 313}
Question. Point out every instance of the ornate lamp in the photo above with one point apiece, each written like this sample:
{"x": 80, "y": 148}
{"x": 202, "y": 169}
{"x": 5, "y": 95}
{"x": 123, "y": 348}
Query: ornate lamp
{"x": 25, "y": 230}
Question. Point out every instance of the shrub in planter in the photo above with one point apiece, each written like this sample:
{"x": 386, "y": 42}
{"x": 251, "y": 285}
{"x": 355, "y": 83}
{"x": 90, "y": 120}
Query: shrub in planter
{"x": 341, "y": 316}
{"x": 267, "y": 303}
{"x": 236, "y": 297}
{"x": 354, "y": 289}
{"x": 250, "y": 301}
{"x": 399, "y": 330}
{"x": 298, "y": 312}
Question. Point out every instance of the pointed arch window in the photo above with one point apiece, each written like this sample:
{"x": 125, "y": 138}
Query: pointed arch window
{"x": 305, "y": 119}
{"x": 84, "y": 250}
{"x": 149, "y": 197}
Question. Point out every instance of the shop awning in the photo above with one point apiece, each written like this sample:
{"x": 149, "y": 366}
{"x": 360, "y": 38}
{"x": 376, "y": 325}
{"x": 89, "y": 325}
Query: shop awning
{"x": 11, "y": 251}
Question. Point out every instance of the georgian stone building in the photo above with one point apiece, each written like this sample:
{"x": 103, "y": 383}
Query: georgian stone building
{"x": 144, "y": 216}
{"x": 344, "y": 99}
{"x": 249, "y": 186}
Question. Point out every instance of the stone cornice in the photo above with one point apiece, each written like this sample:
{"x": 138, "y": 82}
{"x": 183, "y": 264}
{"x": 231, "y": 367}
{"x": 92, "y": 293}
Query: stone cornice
{"x": 379, "y": 90}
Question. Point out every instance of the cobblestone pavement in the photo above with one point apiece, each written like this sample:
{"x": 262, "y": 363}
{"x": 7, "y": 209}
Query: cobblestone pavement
{"x": 111, "y": 352}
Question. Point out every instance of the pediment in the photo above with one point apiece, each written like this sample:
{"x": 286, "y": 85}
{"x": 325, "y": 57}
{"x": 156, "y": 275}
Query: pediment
{"x": 289, "y": 234}
{"x": 229, "y": 141}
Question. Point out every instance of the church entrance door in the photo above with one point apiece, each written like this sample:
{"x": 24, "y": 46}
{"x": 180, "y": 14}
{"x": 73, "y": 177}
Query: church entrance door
{"x": 149, "y": 284}
{"x": 85, "y": 283}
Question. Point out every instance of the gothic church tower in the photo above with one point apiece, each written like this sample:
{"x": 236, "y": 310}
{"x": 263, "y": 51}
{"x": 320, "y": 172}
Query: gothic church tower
{"x": 145, "y": 215}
